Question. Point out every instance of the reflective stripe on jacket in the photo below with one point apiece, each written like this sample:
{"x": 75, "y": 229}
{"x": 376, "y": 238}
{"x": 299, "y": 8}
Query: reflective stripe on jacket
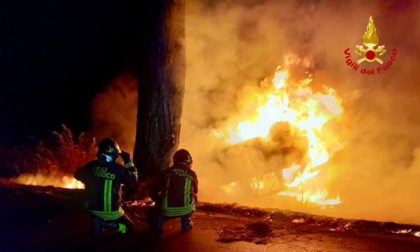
{"x": 103, "y": 186}
{"x": 178, "y": 186}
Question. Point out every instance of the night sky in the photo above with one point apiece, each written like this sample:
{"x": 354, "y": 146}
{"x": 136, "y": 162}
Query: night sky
{"x": 55, "y": 56}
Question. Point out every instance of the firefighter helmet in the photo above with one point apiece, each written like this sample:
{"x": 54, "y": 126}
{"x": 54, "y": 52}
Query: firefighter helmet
{"x": 183, "y": 156}
{"x": 108, "y": 147}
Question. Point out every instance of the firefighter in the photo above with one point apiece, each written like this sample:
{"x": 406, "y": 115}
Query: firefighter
{"x": 103, "y": 179}
{"x": 175, "y": 193}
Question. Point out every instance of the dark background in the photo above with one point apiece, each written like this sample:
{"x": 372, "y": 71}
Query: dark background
{"x": 56, "y": 55}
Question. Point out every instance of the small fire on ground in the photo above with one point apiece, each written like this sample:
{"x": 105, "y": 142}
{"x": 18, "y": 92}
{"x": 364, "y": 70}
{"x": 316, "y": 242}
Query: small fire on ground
{"x": 64, "y": 181}
{"x": 406, "y": 232}
{"x": 285, "y": 117}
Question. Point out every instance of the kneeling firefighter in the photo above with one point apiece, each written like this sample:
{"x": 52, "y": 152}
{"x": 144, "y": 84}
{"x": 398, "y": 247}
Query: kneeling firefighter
{"x": 175, "y": 193}
{"x": 103, "y": 179}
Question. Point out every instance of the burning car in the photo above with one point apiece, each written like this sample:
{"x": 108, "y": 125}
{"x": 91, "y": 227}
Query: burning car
{"x": 280, "y": 146}
{"x": 285, "y": 146}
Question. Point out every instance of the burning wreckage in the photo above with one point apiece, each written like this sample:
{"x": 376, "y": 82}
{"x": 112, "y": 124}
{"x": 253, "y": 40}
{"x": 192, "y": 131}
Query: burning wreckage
{"x": 291, "y": 129}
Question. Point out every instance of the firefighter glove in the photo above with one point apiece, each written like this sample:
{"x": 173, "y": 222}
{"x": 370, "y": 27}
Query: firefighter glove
{"x": 125, "y": 157}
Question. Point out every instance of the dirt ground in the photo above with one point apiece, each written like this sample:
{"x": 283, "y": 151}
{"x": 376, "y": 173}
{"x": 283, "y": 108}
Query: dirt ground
{"x": 50, "y": 219}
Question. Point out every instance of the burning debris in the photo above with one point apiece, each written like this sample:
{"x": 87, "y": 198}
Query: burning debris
{"x": 409, "y": 232}
{"x": 284, "y": 122}
{"x": 298, "y": 221}
{"x": 401, "y": 231}
{"x": 256, "y": 232}
{"x": 140, "y": 203}
{"x": 342, "y": 228}
{"x": 295, "y": 222}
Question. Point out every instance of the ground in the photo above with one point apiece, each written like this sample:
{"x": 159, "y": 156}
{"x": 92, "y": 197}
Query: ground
{"x": 50, "y": 219}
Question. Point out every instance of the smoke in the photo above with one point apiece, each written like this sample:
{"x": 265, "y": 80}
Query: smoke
{"x": 233, "y": 45}
{"x": 114, "y": 111}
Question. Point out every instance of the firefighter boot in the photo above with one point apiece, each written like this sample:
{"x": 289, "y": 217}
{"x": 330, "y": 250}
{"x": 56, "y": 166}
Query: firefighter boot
{"x": 110, "y": 225}
{"x": 97, "y": 226}
{"x": 186, "y": 223}
{"x": 158, "y": 228}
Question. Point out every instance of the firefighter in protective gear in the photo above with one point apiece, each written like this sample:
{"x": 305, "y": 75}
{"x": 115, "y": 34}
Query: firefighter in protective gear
{"x": 103, "y": 179}
{"x": 175, "y": 193}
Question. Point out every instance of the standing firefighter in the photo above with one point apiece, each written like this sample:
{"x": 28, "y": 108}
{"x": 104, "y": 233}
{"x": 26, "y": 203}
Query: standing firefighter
{"x": 175, "y": 193}
{"x": 103, "y": 179}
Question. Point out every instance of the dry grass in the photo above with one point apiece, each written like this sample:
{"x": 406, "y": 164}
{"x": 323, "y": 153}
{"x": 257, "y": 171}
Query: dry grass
{"x": 62, "y": 154}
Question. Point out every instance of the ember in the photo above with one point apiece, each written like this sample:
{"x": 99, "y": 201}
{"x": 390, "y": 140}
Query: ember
{"x": 406, "y": 232}
{"x": 402, "y": 231}
{"x": 298, "y": 221}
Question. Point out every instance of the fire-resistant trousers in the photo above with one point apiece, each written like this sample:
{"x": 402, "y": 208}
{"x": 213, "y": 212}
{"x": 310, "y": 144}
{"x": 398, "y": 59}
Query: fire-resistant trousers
{"x": 122, "y": 225}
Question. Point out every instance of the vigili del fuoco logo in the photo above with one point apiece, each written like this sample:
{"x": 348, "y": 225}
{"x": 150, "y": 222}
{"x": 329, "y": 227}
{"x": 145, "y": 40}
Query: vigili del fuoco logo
{"x": 369, "y": 54}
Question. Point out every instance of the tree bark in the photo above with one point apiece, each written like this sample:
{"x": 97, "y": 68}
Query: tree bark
{"x": 161, "y": 85}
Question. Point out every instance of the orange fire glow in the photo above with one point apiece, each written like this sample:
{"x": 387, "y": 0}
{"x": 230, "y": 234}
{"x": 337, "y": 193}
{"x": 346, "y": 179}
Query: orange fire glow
{"x": 64, "y": 181}
{"x": 402, "y": 231}
{"x": 306, "y": 112}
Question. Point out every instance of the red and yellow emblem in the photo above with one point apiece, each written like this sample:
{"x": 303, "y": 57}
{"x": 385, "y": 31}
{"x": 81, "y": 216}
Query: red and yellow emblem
{"x": 370, "y": 39}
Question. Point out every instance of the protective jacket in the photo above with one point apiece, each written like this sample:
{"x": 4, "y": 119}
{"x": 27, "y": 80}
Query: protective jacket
{"x": 175, "y": 191}
{"x": 103, "y": 182}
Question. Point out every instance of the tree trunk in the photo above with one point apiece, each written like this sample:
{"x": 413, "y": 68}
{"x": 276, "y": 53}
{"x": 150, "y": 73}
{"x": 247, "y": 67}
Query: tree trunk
{"x": 161, "y": 85}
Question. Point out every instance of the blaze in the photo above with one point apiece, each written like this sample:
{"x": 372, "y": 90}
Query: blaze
{"x": 64, "y": 181}
{"x": 305, "y": 113}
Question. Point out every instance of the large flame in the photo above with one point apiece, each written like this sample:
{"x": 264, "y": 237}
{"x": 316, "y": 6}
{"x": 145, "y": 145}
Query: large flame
{"x": 307, "y": 113}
